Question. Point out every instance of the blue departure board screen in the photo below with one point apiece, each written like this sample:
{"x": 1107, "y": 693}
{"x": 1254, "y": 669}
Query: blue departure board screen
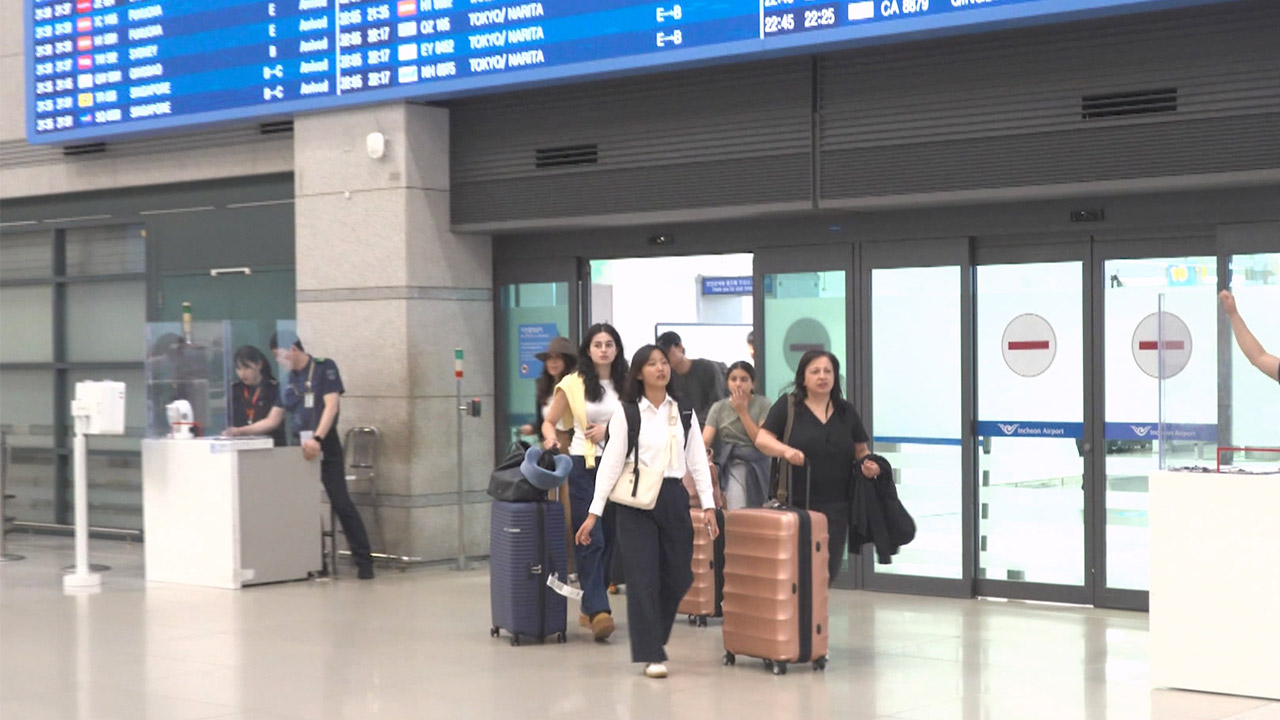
{"x": 100, "y": 68}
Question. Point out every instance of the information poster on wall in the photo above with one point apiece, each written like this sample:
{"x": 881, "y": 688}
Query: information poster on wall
{"x": 533, "y": 339}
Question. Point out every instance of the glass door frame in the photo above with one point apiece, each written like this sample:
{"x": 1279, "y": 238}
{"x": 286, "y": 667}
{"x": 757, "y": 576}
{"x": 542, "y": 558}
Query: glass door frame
{"x": 807, "y": 258}
{"x": 571, "y": 270}
{"x": 911, "y": 254}
{"x": 1185, "y": 244}
{"x": 1021, "y": 251}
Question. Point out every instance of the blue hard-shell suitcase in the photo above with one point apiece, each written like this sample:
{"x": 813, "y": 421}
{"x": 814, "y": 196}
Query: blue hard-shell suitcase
{"x": 526, "y": 546}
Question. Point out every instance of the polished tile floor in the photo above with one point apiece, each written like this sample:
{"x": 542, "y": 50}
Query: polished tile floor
{"x": 416, "y": 645}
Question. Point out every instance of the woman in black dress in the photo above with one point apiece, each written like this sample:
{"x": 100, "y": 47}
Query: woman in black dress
{"x": 828, "y": 435}
{"x": 255, "y": 394}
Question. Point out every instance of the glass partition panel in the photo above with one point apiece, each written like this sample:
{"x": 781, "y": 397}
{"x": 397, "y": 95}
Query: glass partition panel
{"x": 187, "y": 365}
{"x": 106, "y": 320}
{"x": 1255, "y": 412}
{"x": 26, "y": 255}
{"x": 1139, "y": 340}
{"x": 106, "y": 250}
{"x": 26, "y": 407}
{"x": 26, "y": 324}
{"x": 916, "y": 355}
{"x": 30, "y": 480}
{"x": 26, "y": 418}
{"x": 1030, "y": 364}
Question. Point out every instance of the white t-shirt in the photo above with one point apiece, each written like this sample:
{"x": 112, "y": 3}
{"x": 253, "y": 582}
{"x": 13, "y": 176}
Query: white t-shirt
{"x": 598, "y": 413}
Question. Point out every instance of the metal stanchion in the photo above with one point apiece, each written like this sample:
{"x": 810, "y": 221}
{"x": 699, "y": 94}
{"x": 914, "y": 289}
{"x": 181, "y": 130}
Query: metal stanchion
{"x": 462, "y": 548}
{"x": 4, "y": 518}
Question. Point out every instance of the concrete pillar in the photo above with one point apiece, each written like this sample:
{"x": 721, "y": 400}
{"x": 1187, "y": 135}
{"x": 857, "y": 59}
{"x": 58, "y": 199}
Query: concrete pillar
{"x": 388, "y": 291}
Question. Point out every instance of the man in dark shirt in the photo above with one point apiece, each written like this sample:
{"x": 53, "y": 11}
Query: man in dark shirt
{"x": 697, "y": 383}
{"x": 310, "y": 399}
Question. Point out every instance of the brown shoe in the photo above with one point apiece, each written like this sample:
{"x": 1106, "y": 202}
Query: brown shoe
{"x": 602, "y": 625}
{"x": 583, "y": 620}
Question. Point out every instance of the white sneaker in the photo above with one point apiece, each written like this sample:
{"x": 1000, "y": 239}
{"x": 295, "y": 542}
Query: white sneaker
{"x": 655, "y": 670}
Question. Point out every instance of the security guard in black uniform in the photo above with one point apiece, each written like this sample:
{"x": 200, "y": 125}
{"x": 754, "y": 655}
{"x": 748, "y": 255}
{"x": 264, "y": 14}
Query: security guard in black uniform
{"x": 310, "y": 398}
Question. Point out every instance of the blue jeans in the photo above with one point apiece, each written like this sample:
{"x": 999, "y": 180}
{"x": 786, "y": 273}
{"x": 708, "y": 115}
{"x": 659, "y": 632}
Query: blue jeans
{"x": 593, "y": 560}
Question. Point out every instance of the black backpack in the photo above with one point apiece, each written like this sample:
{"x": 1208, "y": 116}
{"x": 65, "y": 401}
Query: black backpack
{"x": 632, "y": 412}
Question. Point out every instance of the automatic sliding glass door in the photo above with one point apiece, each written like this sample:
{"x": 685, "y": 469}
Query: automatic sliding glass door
{"x": 1030, "y": 360}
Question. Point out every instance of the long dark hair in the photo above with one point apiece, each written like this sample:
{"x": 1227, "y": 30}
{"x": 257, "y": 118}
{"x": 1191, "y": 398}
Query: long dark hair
{"x": 799, "y": 393}
{"x": 633, "y": 389}
{"x": 249, "y": 356}
{"x": 547, "y": 382}
{"x": 617, "y": 372}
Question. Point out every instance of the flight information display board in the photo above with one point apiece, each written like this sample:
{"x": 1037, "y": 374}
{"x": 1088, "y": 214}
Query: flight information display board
{"x": 97, "y": 68}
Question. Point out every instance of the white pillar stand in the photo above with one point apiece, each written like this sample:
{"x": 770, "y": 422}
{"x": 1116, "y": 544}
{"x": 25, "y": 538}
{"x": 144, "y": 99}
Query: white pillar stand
{"x": 82, "y": 577}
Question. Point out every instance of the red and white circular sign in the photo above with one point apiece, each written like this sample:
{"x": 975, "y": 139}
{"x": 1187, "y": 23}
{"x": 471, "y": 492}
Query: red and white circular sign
{"x": 1172, "y": 341}
{"x": 1029, "y": 345}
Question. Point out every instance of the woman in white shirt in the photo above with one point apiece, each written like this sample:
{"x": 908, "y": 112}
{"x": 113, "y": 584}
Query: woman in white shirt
{"x": 590, "y": 397}
{"x": 657, "y": 544}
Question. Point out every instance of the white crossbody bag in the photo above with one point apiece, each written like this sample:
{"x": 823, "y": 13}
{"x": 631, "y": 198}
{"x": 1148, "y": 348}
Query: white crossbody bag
{"x": 638, "y": 486}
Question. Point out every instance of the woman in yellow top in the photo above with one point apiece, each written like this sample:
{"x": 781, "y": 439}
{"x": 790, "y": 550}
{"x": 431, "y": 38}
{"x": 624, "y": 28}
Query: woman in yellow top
{"x": 590, "y": 396}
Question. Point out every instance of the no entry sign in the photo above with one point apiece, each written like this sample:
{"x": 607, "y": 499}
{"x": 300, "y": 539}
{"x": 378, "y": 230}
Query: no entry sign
{"x": 1029, "y": 345}
{"x": 1169, "y": 337}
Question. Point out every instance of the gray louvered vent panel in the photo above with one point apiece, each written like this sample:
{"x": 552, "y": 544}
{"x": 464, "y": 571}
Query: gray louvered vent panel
{"x": 703, "y": 138}
{"x": 633, "y": 190}
{"x": 1109, "y": 154}
{"x": 18, "y": 153}
{"x": 1013, "y": 109}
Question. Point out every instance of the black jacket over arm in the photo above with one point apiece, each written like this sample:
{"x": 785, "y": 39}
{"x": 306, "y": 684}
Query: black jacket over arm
{"x": 876, "y": 515}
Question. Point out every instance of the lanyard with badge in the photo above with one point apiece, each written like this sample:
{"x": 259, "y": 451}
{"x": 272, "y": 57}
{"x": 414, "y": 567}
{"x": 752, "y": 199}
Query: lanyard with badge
{"x": 251, "y": 405}
{"x": 309, "y": 397}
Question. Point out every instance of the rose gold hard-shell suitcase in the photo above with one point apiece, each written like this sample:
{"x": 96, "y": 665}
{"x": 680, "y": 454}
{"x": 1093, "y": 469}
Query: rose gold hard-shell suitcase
{"x": 707, "y": 591}
{"x": 775, "y": 587}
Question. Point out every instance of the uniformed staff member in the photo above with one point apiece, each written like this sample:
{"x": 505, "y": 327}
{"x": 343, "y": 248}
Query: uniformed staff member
{"x": 256, "y": 393}
{"x": 310, "y": 399}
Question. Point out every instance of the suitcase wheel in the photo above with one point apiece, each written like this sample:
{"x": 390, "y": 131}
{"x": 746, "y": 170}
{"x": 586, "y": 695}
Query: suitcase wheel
{"x": 730, "y": 658}
{"x": 779, "y": 668}
{"x": 493, "y": 632}
{"x": 515, "y": 641}
{"x": 702, "y": 621}
{"x": 693, "y": 620}
{"x": 820, "y": 664}
{"x": 560, "y": 638}
{"x": 768, "y": 664}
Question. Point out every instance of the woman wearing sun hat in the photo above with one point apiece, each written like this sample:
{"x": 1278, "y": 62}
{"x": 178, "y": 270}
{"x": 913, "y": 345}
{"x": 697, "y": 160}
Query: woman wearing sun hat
{"x": 559, "y": 359}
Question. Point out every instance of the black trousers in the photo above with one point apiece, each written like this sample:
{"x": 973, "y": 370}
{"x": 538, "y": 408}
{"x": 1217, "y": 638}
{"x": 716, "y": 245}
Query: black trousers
{"x": 657, "y": 553}
{"x": 837, "y": 535}
{"x": 333, "y": 475}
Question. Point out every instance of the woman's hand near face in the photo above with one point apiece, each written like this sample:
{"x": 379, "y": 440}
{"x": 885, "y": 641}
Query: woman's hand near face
{"x": 740, "y": 399}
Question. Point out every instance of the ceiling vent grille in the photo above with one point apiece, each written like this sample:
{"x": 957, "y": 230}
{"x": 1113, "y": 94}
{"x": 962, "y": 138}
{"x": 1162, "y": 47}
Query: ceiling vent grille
{"x": 84, "y": 149}
{"x": 566, "y": 156}
{"x": 1128, "y": 104}
{"x": 276, "y": 128}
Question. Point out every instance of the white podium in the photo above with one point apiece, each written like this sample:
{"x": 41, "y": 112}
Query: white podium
{"x": 1215, "y": 578}
{"x": 227, "y": 513}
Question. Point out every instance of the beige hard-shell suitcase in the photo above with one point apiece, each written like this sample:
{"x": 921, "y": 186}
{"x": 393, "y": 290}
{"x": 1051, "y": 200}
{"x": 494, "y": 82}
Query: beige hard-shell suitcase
{"x": 705, "y": 595}
{"x": 775, "y": 587}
